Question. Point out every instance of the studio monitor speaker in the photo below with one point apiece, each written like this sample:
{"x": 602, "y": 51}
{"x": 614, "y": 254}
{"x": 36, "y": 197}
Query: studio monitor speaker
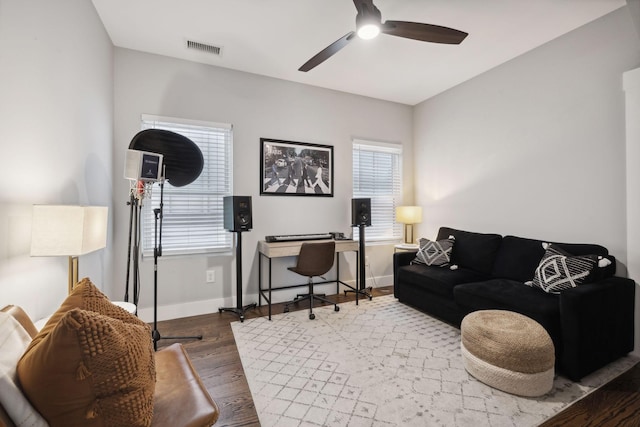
{"x": 237, "y": 213}
{"x": 361, "y": 212}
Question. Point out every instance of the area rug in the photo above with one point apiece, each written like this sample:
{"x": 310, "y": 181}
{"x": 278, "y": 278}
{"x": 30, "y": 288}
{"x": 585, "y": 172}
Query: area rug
{"x": 381, "y": 363}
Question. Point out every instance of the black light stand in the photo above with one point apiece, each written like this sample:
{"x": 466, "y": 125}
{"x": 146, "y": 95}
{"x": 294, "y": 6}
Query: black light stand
{"x": 239, "y": 309}
{"x": 157, "y": 252}
{"x": 134, "y": 218}
{"x": 362, "y": 288}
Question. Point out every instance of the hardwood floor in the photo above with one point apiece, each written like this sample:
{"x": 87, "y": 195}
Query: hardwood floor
{"x": 217, "y": 361}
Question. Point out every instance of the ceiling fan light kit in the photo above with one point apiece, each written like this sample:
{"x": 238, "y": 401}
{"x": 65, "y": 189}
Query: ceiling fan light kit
{"x": 369, "y": 25}
{"x": 368, "y": 31}
{"x": 368, "y": 22}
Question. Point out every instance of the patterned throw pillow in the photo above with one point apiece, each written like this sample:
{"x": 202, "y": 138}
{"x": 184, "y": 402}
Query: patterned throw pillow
{"x": 559, "y": 270}
{"x": 435, "y": 253}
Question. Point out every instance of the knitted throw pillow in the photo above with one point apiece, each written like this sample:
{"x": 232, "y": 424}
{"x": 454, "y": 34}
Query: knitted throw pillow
{"x": 86, "y": 296}
{"x": 91, "y": 370}
{"x": 435, "y": 253}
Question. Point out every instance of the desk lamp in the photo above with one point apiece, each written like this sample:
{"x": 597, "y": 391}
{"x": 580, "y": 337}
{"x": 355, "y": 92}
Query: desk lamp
{"x": 408, "y": 215}
{"x": 63, "y": 230}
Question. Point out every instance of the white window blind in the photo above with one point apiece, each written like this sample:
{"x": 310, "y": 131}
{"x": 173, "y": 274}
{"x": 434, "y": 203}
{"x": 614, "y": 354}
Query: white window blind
{"x": 192, "y": 214}
{"x": 377, "y": 175}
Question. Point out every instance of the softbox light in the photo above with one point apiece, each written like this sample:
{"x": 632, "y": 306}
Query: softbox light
{"x": 183, "y": 160}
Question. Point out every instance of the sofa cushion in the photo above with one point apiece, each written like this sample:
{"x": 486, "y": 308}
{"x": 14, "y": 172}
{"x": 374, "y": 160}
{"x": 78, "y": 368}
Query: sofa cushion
{"x": 14, "y": 340}
{"x": 435, "y": 279}
{"x": 512, "y": 295}
{"x": 91, "y": 370}
{"x": 475, "y": 251}
{"x": 518, "y": 258}
{"x": 437, "y": 254}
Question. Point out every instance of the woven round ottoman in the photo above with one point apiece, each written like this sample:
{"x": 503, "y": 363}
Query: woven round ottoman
{"x": 508, "y": 351}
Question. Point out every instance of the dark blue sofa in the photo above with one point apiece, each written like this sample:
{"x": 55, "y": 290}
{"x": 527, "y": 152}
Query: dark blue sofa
{"x": 591, "y": 325}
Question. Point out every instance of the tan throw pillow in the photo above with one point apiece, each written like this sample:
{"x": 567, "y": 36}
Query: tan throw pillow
{"x": 87, "y": 296}
{"x": 91, "y": 370}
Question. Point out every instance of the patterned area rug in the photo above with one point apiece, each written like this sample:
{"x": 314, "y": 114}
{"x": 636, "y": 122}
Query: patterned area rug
{"x": 381, "y": 363}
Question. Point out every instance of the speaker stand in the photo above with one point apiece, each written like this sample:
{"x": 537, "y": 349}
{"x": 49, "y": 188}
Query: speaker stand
{"x": 362, "y": 288}
{"x": 239, "y": 309}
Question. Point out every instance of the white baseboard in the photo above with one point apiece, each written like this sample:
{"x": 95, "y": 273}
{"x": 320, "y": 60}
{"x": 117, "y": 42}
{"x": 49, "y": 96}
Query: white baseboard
{"x": 196, "y": 308}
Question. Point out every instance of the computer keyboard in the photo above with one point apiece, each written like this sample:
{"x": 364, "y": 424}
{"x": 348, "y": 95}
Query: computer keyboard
{"x": 296, "y": 237}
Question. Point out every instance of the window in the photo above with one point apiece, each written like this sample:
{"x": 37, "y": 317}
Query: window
{"x": 192, "y": 214}
{"x": 377, "y": 175}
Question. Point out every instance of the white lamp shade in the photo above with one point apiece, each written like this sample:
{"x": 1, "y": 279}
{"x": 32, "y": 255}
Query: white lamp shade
{"x": 409, "y": 214}
{"x": 59, "y": 230}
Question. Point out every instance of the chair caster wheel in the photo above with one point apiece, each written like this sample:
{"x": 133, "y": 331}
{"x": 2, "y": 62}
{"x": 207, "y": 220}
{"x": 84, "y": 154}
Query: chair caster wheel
{"x": 312, "y": 316}
{"x": 241, "y": 319}
{"x": 336, "y": 308}
{"x": 370, "y": 298}
{"x": 220, "y": 310}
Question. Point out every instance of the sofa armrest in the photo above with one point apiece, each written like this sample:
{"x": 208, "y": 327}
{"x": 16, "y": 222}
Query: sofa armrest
{"x": 23, "y": 318}
{"x": 180, "y": 397}
{"x": 403, "y": 258}
{"x": 5, "y": 421}
{"x": 597, "y": 324}
{"x": 400, "y": 259}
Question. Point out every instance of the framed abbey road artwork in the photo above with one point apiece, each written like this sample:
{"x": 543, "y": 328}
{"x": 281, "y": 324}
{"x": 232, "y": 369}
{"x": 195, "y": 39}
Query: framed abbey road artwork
{"x": 290, "y": 168}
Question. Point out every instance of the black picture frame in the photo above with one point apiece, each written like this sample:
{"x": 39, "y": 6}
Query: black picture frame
{"x": 300, "y": 168}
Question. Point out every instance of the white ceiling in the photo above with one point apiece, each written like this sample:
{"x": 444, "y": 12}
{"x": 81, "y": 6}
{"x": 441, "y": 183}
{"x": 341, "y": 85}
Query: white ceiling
{"x": 275, "y": 37}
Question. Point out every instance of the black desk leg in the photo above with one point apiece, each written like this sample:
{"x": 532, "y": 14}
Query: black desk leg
{"x": 269, "y": 288}
{"x": 259, "y": 280}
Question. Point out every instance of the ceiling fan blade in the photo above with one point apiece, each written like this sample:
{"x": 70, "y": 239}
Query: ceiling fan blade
{"x": 327, "y": 52}
{"x": 423, "y": 32}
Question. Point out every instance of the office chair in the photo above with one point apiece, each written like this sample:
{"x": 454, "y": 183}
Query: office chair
{"x": 315, "y": 259}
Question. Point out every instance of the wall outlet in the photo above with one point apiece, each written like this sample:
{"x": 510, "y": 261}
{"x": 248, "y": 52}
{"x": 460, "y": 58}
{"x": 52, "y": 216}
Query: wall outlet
{"x": 211, "y": 276}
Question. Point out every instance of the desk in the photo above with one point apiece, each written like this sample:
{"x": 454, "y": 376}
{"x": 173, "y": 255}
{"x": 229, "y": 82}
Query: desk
{"x": 287, "y": 249}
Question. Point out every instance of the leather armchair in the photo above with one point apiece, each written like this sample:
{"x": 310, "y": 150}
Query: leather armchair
{"x": 180, "y": 399}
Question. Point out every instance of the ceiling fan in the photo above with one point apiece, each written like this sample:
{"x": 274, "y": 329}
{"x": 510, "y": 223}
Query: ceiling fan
{"x": 369, "y": 24}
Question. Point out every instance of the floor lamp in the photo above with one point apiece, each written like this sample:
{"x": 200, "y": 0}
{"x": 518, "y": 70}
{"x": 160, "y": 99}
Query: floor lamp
{"x": 64, "y": 230}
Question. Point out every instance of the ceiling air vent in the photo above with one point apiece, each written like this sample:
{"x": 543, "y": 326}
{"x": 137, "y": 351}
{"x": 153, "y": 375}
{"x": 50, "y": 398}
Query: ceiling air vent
{"x": 209, "y": 48}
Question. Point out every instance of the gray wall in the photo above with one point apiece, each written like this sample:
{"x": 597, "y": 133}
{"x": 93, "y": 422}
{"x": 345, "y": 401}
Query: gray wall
{"x": 535, "y": 147}
{"x": 632, "y": 104}
{"x": 56, "y": 114}
{"x": 257, "y": 107}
